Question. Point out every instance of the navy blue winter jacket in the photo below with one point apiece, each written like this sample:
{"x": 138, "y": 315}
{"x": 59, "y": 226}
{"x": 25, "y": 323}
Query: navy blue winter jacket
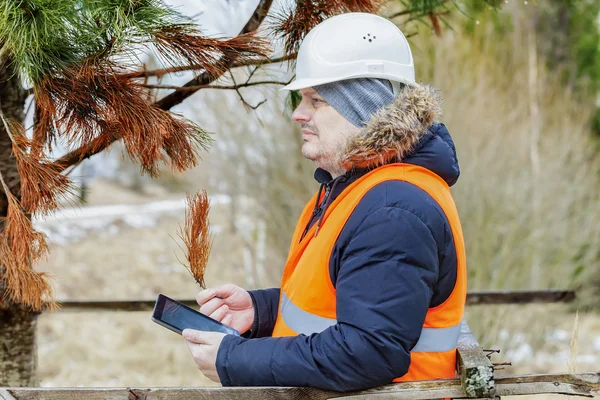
{"x": 394, "y": 259}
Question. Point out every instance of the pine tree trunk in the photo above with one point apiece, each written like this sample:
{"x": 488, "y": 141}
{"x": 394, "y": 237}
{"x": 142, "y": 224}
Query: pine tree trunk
{"x": 18, "y": 359}
{"x": 18, "y": 356}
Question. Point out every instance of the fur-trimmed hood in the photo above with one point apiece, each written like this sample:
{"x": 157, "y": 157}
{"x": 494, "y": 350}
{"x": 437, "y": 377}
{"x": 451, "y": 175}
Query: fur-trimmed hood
{"x": 403, "y": 131}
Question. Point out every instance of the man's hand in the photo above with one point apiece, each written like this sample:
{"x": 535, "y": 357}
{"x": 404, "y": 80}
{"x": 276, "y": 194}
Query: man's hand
{"x": 204, "y": 347}
{"x": 229, "y": 304}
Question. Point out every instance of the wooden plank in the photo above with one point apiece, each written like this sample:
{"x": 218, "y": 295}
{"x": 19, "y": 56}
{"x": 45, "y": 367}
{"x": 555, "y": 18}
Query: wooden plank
{"x": 115, "y": 305}
{"x": 519, "y": 296}
{"x": 475, "y": 370}
{"x": 406, "y": 391}
{"x": 584, "y": 384}
{"x": 5, "y": 395}
{"x": 473, "y": 298}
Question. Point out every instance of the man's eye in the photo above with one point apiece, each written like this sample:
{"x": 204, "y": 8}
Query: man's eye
{"x": 318, "y": 100}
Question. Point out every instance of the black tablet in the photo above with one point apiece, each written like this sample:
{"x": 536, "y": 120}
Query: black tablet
{"x": 176, "y": 316}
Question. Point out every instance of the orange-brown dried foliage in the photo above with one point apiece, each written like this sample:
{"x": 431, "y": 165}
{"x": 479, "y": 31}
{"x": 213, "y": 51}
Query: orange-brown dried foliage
{"x": 196, "y": 234}
{"x": 42, "y": 184}
{"x": 181, "y": 44}
{"x": 93, "y": 102}
{"x": 292, "y": 24}
{"x": 20, "y": 246}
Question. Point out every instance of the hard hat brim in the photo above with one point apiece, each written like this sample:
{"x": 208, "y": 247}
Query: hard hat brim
{"x": 306, "y": 83}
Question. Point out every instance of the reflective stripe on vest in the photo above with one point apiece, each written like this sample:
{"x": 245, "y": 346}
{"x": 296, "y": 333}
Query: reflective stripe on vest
{"x": 437, "y": 340}
{"x": 302, "y": 321}
{"x": 432, "y": 340}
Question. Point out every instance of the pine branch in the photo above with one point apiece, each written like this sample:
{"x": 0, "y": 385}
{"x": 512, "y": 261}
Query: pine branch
{"x": 422, "y": 8}
{"x": 76, "y": 156}
{"x": 181, "y": 45}
{"x": 435, "y": 22}
{"x": 196, "y": 234}
{"x": 105, "y": 139}
{"x": 20, "y": 246}
{"x": 165, "y": 71}
{"x": 198, "y": 87}
{"x": 293, "y": 22}
{"x": 167, "y": 102}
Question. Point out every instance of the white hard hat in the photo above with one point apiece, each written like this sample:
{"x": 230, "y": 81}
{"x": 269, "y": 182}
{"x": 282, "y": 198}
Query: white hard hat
{"x": 354, "y": 45}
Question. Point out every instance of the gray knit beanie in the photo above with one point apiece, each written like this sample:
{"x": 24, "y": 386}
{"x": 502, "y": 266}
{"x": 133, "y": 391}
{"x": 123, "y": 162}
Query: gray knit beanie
{"x": 357, "y": 99}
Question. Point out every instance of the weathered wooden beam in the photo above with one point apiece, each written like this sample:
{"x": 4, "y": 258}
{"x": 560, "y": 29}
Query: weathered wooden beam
{"x": 581, "y": 384}
{"x": 584, "y": 384}
{"x": 115, "y": 305}
{"x": 519, "y": 296}
{"x": 475, "y": 369}
{"x": 473, "y": 298}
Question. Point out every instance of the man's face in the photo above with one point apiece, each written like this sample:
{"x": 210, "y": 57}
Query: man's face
{"x": 325, "y": 132}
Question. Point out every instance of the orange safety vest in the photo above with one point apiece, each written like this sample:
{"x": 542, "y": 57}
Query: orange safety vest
{"x": 308, "y": 300}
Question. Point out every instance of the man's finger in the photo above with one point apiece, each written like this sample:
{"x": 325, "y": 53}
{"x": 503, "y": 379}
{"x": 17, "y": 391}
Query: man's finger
{"x": 202, "y": 337}
{"x": 224, "y": 291}
{"x": 227, "y": 320}
{"x": 195, "y": 336}
{"x": 205, "y": 295}
{"x": 211, "y": 306}
{"x": 219, "y": 313}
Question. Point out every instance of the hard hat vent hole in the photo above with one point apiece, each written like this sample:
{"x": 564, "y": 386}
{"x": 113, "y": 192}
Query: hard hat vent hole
{"x": 371, "y": 38}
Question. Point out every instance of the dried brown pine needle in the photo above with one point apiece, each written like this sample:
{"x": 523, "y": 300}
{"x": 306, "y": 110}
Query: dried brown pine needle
{"x": 116, "y": 107}
{"x": 196, "y": 234}
{"x": 20, "y": 247}
{"x": 181, "y": 44}
{"x": 183, "y": 143}
{"x": 295, "y": 21}
{"x": 42, "y": 185}
{"x": 25, "y": 242}
{"x": 24, "y": 285}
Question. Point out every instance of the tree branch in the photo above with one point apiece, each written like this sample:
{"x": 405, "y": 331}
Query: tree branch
{"x": 423, "y": 10}
{"x": 195, "y": 88}
{"x": 267, "y": 61}
{"x": 165, "y": 71}
{"x": 76, "y": 156}
{"x": 167, "y": 102}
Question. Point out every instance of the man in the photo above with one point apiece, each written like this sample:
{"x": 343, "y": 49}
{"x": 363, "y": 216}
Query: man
{"x": 375, "y": 282}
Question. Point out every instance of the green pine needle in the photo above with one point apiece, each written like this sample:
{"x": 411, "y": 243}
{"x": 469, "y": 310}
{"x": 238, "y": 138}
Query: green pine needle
{"x": 44, "y": 36}
{"x": 38, "y": 35}
{"x": 201, "y": 138}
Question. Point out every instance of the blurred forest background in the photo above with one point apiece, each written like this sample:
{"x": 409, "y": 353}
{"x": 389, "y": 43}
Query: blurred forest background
{"x": 522, "y": 98}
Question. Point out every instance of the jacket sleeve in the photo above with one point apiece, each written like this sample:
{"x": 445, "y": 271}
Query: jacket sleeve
{"x": 266, "y": 304}
{"x": 384, "y": 286}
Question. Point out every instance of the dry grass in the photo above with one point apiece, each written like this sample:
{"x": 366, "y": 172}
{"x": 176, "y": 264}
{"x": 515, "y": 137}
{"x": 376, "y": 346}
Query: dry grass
{"x": 120, "y": 262}
{"x": 528, "y": 193}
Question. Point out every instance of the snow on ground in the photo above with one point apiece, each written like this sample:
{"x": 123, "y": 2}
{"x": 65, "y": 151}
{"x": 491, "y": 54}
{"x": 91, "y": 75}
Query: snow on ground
{"x": 560, "y": 341}
{"x": 71, "y": 225}
{"x": 74, "y": 224}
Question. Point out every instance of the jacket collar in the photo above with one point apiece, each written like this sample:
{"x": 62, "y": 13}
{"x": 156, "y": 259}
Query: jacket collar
{"x": 395, "y": 130}
{"x": 403, "y": 131}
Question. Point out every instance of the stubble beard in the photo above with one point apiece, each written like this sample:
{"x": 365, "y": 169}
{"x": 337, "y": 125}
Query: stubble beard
{"x": 330, "y": 162}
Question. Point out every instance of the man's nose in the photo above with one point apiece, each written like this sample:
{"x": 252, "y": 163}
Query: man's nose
{"x": 301, "y": 114}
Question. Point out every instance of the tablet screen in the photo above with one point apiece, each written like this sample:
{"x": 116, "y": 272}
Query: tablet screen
{"x": 179, "y": 317}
